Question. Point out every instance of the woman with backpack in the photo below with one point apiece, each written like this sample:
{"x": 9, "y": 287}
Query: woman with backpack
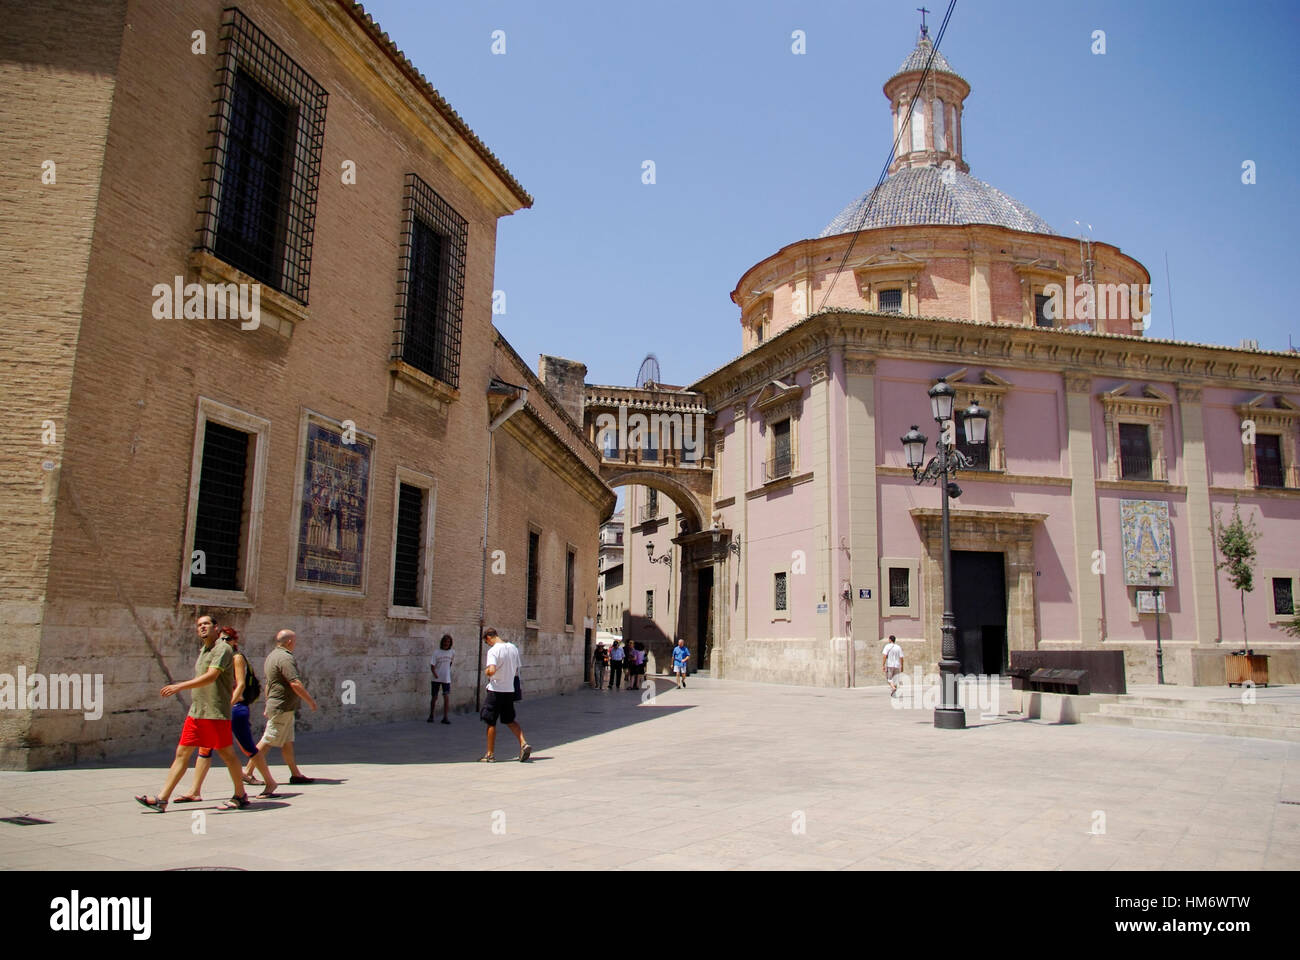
{"x": 247, "y": 689}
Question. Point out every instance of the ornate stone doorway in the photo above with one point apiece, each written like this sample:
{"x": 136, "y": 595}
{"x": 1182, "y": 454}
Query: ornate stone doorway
{"x": 988, "y": 531}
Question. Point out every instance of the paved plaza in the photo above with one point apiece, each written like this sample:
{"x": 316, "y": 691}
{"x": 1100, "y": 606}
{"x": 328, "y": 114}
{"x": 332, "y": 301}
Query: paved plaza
{"x": 722, "y": 774}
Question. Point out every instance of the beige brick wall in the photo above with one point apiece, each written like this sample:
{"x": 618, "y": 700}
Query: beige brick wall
{"x": 118, "y": 554}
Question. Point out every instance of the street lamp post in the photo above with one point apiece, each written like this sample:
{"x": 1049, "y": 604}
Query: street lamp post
{"x": 942, "y": 467}
{"x": 1154, "y": 574}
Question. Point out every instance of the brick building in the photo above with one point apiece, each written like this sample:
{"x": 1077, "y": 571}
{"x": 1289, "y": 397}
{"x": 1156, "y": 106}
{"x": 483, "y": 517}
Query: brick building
{"x": 251, "y": 371}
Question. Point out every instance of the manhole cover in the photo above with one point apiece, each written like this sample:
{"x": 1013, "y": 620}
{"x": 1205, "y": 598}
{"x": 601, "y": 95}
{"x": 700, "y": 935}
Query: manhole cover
{"x": 24, "y": 821}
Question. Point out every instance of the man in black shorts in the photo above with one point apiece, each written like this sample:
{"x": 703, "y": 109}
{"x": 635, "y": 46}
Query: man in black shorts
{"x": 502, "y": 668}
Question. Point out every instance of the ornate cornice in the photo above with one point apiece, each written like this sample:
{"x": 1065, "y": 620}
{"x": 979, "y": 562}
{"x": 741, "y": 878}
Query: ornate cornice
{"x": 1077, "y": 382}
{"x": 820, "y": 371}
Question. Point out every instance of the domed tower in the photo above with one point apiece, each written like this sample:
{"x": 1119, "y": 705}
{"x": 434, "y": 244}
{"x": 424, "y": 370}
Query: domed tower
{"x": 933, "y": 135}
{"x": 931, "y": 240}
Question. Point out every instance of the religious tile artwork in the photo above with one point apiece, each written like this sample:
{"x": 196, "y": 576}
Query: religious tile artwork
{"x": 1144, "y": 532}
{"x": 335, "y": 494}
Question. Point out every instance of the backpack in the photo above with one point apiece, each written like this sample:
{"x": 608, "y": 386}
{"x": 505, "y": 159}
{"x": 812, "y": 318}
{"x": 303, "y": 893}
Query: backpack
{"x": 252, "y": 686}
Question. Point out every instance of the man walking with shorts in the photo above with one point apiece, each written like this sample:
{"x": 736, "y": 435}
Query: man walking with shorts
{"x": 680, "y": 658}
{"x": 284, "y": 692}
{"x": 502, "y": 668}
{"x": 208, "y": 722}
{"x": 891, "y": 658}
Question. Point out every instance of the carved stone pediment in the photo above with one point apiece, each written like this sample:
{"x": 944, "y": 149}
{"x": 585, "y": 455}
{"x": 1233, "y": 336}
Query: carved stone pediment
{"x": 778, "y": 400}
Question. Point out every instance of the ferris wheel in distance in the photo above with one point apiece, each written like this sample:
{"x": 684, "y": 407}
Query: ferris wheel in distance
{"x": 648, "y": 375}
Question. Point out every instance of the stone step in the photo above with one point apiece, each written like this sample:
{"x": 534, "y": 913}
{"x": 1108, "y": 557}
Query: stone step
{"x": 1257, "y": 713}
{"x": 1213, "y": 727}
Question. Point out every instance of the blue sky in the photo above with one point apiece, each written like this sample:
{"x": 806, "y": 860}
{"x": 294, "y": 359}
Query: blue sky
{"x": 756, "y": 147}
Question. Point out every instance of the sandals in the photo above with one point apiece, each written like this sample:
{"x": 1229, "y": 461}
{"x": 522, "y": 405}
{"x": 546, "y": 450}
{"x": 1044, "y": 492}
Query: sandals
{"x": 235, "y": 803}
{"x": 153, "y": 803}
{"x": 252, "y": 781}
{"x": 486, "y": 758}
{"x": 188, "y": 798}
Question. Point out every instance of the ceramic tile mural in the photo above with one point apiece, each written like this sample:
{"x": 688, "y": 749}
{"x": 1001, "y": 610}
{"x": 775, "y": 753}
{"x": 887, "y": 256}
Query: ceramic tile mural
{"x": 1144, "y": 532}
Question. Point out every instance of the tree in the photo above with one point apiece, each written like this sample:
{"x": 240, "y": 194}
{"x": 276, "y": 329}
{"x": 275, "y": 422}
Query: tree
{"x": 1236, "y": 543}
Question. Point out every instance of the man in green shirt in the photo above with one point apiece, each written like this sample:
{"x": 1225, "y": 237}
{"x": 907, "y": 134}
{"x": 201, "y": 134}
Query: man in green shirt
{"x": 208, "y": 722}
{"x": 284, "y": 692}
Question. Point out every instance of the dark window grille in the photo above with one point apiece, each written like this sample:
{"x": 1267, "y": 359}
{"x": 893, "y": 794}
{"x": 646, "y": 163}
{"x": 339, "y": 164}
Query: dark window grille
{"x": 410, "y": 539}
{"x": 568, "y": 588}
{"x": 650, "y": 604}
{"x": 534, "y": 550}
{"x": 1041, "y": 319}
{"x": 611, "y": 446}
{"x": 978, "y": 452}
{"x": 899, "y": 587}
{"x": 258, "y": 206}
{"x": 1283, "y": 601}
{"x": 431, "y": 283}
{"x": 780, "y": 600}
{"x": 1268, "y": 460}
{"x": 219, "y": 519}
{"x": 1134, "y": 451}
{"x": 891, "y": 301}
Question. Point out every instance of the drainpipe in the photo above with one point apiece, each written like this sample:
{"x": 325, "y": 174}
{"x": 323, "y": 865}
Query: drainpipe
{"x": 498, "y": 387}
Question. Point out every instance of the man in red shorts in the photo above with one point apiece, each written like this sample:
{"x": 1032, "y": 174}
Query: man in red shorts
{"x": 208, "y": 722}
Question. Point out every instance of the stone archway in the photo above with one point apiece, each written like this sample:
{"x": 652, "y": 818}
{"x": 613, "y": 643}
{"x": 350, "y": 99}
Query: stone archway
{"x": 994, "y": 531}
{"x": 687, "y": 502}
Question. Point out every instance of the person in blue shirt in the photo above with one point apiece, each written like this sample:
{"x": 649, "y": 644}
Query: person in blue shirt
{"x": 680, "y": 656}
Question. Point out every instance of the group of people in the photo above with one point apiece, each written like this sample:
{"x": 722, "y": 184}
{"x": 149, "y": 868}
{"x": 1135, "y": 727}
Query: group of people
{"x": 225, "y": 686}
{"x": 631, "y": 656}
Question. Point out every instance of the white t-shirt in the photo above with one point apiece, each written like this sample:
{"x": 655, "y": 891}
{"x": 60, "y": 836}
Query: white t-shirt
{"x": 893, "y": 655}
{"x": 505, "y": 657}
{"x": 441, "y": 663}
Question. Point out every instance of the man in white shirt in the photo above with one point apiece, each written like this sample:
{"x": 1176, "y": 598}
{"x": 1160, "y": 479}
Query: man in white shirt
{"x": 891, "y": 658}
{"x": 502, "y": 669}
{"x": 440, "y": 667}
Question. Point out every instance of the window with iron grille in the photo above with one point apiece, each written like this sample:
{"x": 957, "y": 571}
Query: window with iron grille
{"x": 611, "y": 445}
{"x": 782, "y": 454}
{"x": 650, "y": 604}
{"x": 1268, "y": 460}
{"x": 1134, "y": 451}
{"x": 1283, "y": 601}
{"x": 780, "y": 599}
{"x": 410, "y": 540}
{"x": 219, "y": 519}
{"x": 569, "y": 559}
{"x": 652, "y": 504}
{"x": 899, "y": 588}
{"x": 431, "y": 286}
{"x": 978, "y": 452}
{"x": 534, "y": 571}
{"x": 1041, "y": 319}
{"x": 258, "y": 204}
{"x": 891, "y": 301}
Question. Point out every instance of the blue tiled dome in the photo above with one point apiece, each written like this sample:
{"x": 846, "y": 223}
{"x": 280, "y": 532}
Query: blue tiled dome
{"x": 919, "y": 195}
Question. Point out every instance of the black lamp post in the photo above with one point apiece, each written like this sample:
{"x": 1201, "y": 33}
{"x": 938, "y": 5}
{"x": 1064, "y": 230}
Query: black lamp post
{"x": 943, "y": 466}
{"x": 1154, "y": 574}
{"x": 716, "y": 531}
{"x": 650, "y": 552}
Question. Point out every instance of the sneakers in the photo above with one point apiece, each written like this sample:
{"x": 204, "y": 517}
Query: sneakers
{"x": 525, "y": 752}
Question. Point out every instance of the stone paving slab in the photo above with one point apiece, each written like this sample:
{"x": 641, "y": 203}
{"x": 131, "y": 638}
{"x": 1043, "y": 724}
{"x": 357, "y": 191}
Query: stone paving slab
{"x": 720, "y": 775}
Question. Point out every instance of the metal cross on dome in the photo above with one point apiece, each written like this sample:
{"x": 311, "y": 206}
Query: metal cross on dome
{"x": 925, "y": 31}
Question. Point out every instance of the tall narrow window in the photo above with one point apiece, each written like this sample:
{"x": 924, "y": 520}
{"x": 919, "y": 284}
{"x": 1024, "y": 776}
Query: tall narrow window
{"x": 1283, "y": 601}
{"x": 259, "y": 190}
{"x": 891, "y": 301}
{"x": 940, "y": 137}
{"x": 780, "y": 598}
{"x": 534, "y": 571}
{"x": 569, "y": 559}
{"x": 782, "y": 461}
{"x": 611, "y": 445}
{"x": 1041, "y": 319}
{"x": 219, "y": 520}
{"x": 1268, "y": 459}
{"x": 1134, "y": 451}
{"x": 650, "y": 604}
{"x": 899, "y": 593}
{"x": 918, "y": 126}
{"x": 409, "y": 540}
{"x": 431, "y": 292}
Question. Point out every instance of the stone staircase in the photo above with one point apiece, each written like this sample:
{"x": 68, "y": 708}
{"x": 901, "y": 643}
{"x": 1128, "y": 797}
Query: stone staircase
{"x": 1278, "y": 720}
